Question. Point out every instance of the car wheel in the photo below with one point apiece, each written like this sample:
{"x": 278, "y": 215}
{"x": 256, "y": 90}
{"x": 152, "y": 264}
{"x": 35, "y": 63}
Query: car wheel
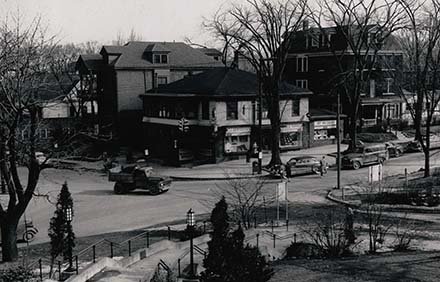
{"x": 119, "y": 189}
{"x": 315, "y": 169}
{"x": 29, "y": 235}
{"x": 356, "y": 165}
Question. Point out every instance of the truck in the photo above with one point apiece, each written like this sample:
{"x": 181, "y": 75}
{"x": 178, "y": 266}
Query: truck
{"x": 132, "y": 177}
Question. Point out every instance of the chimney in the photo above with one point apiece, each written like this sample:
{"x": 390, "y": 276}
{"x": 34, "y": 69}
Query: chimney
{"x": 305, "y": 24}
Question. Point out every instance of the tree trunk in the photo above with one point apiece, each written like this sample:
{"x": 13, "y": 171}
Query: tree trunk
{"x": 275, "y": 122}
{"x": 9, "y": 240}
{"x": 352, "y": 133}
{"x": 427, "y": 146}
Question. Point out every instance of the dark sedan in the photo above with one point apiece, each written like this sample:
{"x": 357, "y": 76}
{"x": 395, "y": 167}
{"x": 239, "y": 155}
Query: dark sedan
{"x": 302, "y": 165}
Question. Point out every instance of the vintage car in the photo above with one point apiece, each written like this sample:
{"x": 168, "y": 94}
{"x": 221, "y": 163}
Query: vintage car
{"x": 302, "y": 165}
{"x": 134, "y": 177}
{"x": 395, "y": 150}
{"x": 365, "y": 155}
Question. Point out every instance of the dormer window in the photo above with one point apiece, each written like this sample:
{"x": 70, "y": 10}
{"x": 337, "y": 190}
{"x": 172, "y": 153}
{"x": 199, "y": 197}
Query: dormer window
{"x": 160, "y": 58}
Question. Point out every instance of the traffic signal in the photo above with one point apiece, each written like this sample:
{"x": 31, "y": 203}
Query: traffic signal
{"x": 183, "y": 125}
{"x": 180, "y": 125}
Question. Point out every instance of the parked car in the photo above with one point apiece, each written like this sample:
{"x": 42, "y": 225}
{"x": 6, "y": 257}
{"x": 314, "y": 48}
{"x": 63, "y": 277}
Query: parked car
{"x": 365, "y": 155}
{"x": 302, "y": 165}
{"x": 395, "y": 150}
{"x": 413, "y": 146}
{"x": 134, "y": 177}
{"x": 26, "y": 231}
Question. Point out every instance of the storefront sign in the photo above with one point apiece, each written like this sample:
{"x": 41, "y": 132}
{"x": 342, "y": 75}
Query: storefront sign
{"x": 291, "y": 128}
{"x": 325, "y": 124}
{"x": 237, "y": 131}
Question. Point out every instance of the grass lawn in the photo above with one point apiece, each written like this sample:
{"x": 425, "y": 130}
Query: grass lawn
{"x": 406, "y": 266}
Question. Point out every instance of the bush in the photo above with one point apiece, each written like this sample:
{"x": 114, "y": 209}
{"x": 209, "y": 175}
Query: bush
{"x": 16, "y": 274}
{"x": 303, "y": 250}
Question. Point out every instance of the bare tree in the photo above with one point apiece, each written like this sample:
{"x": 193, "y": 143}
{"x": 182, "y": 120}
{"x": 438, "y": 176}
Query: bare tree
{"x": 25, "y": 53}
{"x": 245, "y": 197}
{"x": 262, "y": 32}
{"x": 364, "y": 28}
{"x": 420, "y": 41}
{"x": 121, "y": 39}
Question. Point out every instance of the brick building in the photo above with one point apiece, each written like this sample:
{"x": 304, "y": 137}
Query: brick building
{"x": 222, "y": 115}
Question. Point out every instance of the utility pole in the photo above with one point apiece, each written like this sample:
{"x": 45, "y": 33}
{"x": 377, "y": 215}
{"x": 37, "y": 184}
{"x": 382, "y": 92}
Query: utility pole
{"x": 338, "y": 142}
{"x": 260, "y": 117}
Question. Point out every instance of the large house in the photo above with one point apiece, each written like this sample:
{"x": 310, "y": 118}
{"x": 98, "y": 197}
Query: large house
{"x": 119, "y": 74}
{"x": 312, "y": 64}
{"x": 220, "y": 109}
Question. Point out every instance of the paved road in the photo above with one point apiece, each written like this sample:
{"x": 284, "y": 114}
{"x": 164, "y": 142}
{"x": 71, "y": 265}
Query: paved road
{"x": 98, "y": 210}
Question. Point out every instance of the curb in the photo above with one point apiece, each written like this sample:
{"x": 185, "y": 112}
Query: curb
{"x": 387, "y": 208}
{"x": 191, "y": 178}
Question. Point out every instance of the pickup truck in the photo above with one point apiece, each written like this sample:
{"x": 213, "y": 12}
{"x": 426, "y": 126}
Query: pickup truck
{"x": 134, "y": 177}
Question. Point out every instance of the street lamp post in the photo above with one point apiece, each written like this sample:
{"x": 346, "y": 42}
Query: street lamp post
{"x": 190, "y": 222}
{"x": 68, "y": 216}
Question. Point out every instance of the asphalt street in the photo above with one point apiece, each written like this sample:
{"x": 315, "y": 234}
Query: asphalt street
{"x": 98, "y": 210}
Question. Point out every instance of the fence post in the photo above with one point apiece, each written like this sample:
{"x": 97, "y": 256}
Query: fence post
{"x": 294, "y": 237}
{"x": 94, "y": 253}
{"x": 76, "y": 262}
{"x": 169, "y": 233}
{"x": 111, "y": 249}
{"x": 148, "y": 239}
{"x": 40, "y": 264}
{"x": 406, "y": 177}
{"x": 258, "y": 236}
{"x": 274, "y": 238}
{"x": 271, "y": 223}
{"x": 59, "y": 271}
{"x": 287, "y": 225}
{"x": 129, "y": 248}
{"x": 178, "y": 268}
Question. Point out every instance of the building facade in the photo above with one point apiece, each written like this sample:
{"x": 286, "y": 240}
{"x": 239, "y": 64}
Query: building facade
{"x": 314, "y": 62}
{"x": 219, "y": 108}
{"x": 119, "y": 74}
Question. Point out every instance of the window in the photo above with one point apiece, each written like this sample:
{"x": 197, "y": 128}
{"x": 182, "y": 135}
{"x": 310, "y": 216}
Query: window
{"x": 314, "y": 40}
{"x": 156, "y": 59}
{"x": 295, "y": 108}
{"x": 302, "y": 64}
{"x": 232, "y": 110}
{"x": 302, "y": 83}
{"x": 160, "y": 58}
{"x": 162, "y": 80}
{"x": 205, "y": 110}
{"x": 389, "y": 82}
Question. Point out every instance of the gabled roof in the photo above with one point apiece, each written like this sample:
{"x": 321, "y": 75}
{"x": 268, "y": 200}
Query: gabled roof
{"x": 135, "y": 55}
{"x": 92, "y": 62}
{"x": 221, "y": 82}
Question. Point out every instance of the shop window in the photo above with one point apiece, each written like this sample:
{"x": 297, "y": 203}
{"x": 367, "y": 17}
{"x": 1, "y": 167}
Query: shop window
{"x": 243, "y": 139}
{"x": 232, "y": 110}
{"x": 291, "y": 139}
{"x": 295, "y": 108}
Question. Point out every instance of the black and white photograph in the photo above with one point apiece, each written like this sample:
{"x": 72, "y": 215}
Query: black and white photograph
{"x": 219, "y": 140}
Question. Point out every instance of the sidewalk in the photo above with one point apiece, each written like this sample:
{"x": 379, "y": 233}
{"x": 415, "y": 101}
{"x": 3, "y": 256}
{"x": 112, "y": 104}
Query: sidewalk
{"x": 237, "y": 169}
{"x": 240, "y": 168}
